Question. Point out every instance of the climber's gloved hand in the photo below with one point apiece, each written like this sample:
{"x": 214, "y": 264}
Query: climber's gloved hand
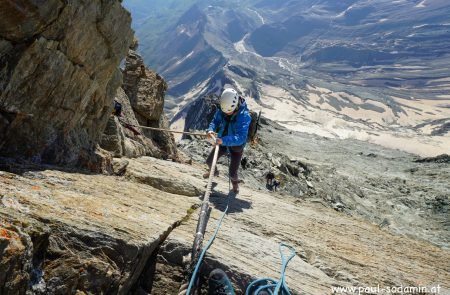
{"x": 211, "y": 134}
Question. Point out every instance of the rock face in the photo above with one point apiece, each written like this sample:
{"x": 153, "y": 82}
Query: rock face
{"x": 121, "y": 141}
{"x": 169, "y": 178}
{"x": 144, "y": 88}
{"x": 63, "y": 233}
{"x": 90, "y": 233}
{"x": 59, "y": 74}
{"x": 142, "y": 99}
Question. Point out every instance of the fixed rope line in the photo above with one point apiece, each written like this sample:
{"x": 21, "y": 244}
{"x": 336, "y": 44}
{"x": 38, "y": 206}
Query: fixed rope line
{"x": 219, "y": 223}
{"x": 200, "y": 258}
{"x": 202, "y": 221}
{"x": 267, "y": 284}
{"x": 163, "y": 129}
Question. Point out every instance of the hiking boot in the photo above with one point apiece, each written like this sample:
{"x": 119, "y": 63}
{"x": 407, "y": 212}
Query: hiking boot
{"x": 219, "y": 283}
{"x": 235, "y": 188}
{"x": 216, "y": 174}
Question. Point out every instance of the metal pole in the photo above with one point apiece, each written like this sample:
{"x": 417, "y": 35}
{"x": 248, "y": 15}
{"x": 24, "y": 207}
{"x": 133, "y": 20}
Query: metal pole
{"x": 203, "y": 215}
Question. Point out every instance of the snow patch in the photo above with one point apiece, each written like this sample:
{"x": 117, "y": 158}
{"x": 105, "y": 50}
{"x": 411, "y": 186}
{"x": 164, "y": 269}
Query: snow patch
{"x": 344, "y": 12}
{"x": 421, "y": 4}
{"x": 285, "y": 64}
{"x": 259, "y": 16}
{"x": 178, "y": 125}
{"x": 184, "y": 58}
{"x": 240, "y": 45}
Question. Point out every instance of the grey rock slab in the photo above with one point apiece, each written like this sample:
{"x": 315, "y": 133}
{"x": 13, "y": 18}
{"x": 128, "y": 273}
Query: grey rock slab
{"x": 101, "y": 230}
{"x": 167, "y": 176}
{"x": 333, "y": 249}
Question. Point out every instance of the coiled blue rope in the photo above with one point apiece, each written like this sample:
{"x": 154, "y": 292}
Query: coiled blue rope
{"x": 272, "y": 286}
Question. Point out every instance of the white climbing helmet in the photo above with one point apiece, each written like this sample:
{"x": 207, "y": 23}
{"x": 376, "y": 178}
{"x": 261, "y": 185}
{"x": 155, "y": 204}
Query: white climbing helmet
{"x": 229, "y": 100}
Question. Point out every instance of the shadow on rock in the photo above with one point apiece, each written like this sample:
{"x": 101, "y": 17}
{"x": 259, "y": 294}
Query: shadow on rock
{"x": 236, "y": 205}
{"x": 31, "y": 169}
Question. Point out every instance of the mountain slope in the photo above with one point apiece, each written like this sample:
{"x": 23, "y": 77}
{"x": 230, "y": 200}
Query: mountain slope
{"x": 62, "y": 231}
{"x": 372, "y": 70}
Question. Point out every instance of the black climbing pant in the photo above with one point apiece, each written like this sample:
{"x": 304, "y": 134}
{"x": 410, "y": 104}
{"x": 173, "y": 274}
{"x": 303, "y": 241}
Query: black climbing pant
{"x": 236, "y": 153}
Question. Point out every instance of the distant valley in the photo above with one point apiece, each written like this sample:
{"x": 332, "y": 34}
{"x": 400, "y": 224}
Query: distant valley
{"x": 370, "y": 70}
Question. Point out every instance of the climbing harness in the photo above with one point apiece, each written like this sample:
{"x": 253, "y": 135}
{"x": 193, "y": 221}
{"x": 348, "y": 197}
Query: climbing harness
{"x": 270, "y": 285}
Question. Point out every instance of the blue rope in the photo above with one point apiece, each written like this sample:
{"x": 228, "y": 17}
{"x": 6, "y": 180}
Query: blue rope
{"x": 211, "y": 240}
{"x": 261, "y": 284}
{"x": 270, "y": 285}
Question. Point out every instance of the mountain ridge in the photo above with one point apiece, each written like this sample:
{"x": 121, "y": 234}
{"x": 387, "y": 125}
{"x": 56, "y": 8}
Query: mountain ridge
{"x": 358, "y": 214}
{"x": 377, "y": 69}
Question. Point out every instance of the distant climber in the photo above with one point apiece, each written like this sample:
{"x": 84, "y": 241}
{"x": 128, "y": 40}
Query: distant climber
{"x": 269, "y": 179}
{"x": 230, "y": 124}
{"x": 276, "y": 184}
{"x": 118, "y": 113}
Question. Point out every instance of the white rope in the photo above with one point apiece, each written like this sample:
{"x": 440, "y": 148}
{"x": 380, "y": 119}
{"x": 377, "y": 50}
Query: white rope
{"x": 162, "y": 129}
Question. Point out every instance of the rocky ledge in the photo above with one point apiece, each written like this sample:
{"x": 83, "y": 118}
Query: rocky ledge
{"x": 66, "y": 232}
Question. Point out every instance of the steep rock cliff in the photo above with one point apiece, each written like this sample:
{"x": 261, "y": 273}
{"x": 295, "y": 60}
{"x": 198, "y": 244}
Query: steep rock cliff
{"x": 59, "y": 74}
{"x": 142, "y": 100}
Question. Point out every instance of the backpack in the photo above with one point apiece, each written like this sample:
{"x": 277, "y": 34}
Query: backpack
{"x": 254, "y": 123}
{"x": 253, "y": 127}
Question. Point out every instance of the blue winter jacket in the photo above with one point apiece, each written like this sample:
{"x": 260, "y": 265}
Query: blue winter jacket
{"x": 237, "y": 127}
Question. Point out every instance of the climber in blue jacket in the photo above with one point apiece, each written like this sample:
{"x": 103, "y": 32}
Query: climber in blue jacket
{"x": 230, "y": 126}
